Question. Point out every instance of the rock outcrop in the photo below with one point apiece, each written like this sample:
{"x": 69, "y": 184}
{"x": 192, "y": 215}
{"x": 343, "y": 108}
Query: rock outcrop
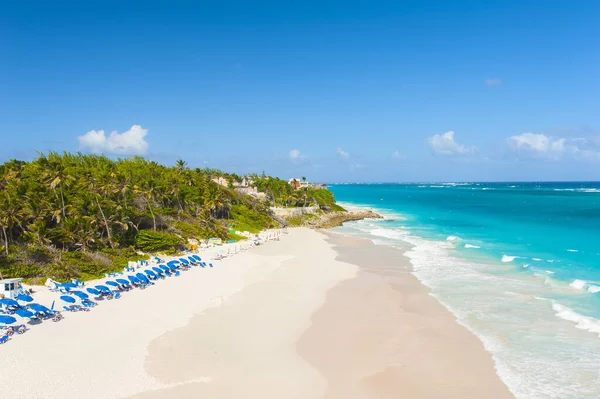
{"x": 336, "y": 219}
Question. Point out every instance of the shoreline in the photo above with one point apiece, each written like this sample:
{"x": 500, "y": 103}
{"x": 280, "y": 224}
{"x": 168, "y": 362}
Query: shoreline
{"x": 275, "y": 321}
{"x": 405, "y": 341}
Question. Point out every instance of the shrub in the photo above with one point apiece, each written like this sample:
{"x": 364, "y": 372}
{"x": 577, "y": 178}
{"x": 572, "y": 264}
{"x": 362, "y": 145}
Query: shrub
{"x": 148, "y": 240}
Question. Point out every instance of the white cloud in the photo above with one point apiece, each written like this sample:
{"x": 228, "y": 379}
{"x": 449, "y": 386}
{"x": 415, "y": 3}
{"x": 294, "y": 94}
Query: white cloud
{"x": 295, "y": 154}
{"x": 343, "y": 154}
{"x": 539, "y": 145}
{"x": 444, "y": 144}
{"x": 397, "y": 156}
{"x": 531, "y": 141}
{"x": 130, "y": 142}
{"x": 493, "y": 82}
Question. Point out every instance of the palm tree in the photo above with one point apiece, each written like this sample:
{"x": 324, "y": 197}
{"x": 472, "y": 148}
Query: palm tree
{"x": 11, "y": 215}
{"x": 97, "y": 188}
{"x": 181, "y": 165}
{"x": 55, "y": 175}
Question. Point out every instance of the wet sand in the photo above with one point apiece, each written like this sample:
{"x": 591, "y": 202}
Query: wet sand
{"x": 340, "y": 318}
{"x": 380, "y": 335}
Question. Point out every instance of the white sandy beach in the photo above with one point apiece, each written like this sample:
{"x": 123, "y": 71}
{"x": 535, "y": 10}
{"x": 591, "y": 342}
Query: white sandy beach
{"x": 260, "y": 324}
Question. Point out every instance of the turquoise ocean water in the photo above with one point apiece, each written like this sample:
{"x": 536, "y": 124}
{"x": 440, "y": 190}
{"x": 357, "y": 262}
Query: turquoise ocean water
{"x": 517, "y": 263}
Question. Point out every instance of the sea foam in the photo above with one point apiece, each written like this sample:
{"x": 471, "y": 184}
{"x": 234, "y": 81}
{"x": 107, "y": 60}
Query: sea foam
{"x": 471, "y": 246}
{"x": 583, "y": 285}
{"x": 509, "y": 258}
{"x": 582, "y": 322}
{"x": 389, "y": 233}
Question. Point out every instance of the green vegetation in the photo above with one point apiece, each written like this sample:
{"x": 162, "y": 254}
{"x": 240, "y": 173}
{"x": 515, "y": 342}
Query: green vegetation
{"x": 80, "y": 216}
{"x": 152, "y": 241}
{"x": 283, "y": 194}
{"x": 298, "y": 221}
{"x": 253, "y": 221}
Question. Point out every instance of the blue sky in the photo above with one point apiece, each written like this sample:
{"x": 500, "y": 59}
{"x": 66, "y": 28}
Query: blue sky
{"x": 332, "y": 90}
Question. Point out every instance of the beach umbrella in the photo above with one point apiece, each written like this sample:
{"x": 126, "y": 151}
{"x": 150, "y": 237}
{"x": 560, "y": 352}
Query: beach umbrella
{"x": 122, "y": 281}
{"x": 173, "y": 263}
{"x": 7, "y": 319}
{"x": 68, "y": 299}
{"x": 150, "y": 273}
{"x": 184, "y": 261}
{"x": 39, "y": 308}
{"x": 9, "y": 302}
{"x": 102, "y": 288}
{"x": 199, "y": 259}
{"x": 112, "y": 283}
{"x": 80, "y": 295}
{"x": 133, "y": 279}
{"x": 164, "y": 267}
{"x": 158, "y": 270}
{"x": 93, "y": 291}
{"x": 142, "y": 277}
{"x": 25, "y": 298}
{"x": 69, "y": 285}
{"x": 24, "y": 313}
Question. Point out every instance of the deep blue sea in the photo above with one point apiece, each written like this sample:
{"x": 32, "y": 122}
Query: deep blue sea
{"x": 517, "y": 263}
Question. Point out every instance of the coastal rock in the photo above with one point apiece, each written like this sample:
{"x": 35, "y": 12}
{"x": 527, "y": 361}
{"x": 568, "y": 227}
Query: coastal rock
{"x": 336, "y": 219}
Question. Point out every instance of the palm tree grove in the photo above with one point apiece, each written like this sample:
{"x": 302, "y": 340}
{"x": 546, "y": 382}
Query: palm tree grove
{"x": 80, "y": 216}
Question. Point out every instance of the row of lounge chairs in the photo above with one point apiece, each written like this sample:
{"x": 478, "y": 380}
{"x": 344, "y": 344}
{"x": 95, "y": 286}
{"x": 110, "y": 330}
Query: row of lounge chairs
{"x": 72, "y": 293}
{"x": 34, "y": 312}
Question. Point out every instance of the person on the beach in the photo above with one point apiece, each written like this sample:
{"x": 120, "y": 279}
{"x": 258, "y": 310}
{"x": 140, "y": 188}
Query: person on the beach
{"x": 58, "y": 316}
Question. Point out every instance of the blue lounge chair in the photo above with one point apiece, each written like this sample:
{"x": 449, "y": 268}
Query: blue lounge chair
{"x": 134, "y": 281}
{"x": 125, "y": 284}
{"x": 173, "y": 264}
{"x": 69, "y": 308}
{"x": 151, "y": 275}
{"x": 160, "y": 272}
{"x": 143, "y": 279}
{"x": 9, "y": 303}
{"x": 41, "y": 310}
{"x": 165, "y": 269}
{"x": 88, "y": 304}
{"x": 3, "y": 339}
{"x": 69, "y": 285}
{"x": 193, "y": 260}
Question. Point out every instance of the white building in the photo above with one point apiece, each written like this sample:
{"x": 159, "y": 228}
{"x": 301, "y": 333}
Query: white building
{"x": 11, "y": 287}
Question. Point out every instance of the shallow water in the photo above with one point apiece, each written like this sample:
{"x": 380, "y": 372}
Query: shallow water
{"x": 517, "y": 263}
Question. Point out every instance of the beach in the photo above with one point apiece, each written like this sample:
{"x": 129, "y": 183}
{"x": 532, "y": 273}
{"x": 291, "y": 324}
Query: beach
{"x": 313, "y": 315}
